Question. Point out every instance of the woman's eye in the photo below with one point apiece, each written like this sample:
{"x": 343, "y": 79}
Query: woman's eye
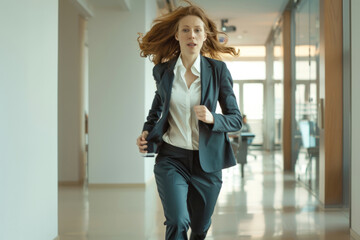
{"x": 197, "y": 30}
{"x": 185, "y": 30}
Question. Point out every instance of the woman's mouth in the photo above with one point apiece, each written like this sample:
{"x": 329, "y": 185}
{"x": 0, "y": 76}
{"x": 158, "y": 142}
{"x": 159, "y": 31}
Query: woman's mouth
{"x": 191, "y": 44}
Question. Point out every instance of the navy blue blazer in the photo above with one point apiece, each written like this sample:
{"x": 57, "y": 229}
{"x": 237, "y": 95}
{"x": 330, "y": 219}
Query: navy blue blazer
{"x": 215, "y": 150}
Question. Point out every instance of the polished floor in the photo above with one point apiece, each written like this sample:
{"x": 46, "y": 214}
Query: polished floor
{"x": 265, "y": 204}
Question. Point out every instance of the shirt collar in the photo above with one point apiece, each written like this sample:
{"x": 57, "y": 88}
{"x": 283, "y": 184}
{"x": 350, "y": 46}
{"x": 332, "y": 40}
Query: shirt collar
{"x": 195, "y": 68}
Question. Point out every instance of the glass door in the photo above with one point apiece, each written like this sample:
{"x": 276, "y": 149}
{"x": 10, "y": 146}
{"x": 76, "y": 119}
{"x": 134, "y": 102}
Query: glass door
{"x": 306, "y": 133}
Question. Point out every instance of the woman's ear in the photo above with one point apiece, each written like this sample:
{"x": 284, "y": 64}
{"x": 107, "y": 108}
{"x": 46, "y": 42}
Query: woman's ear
{"x": 176, "y": 37}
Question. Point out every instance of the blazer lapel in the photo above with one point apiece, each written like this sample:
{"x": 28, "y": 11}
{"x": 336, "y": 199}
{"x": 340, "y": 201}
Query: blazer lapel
{"x": 206, "y": 74}
{"x": 168, "y": 79}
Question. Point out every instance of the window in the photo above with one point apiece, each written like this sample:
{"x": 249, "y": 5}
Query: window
{"x": 305, "y": 70}
{"x": 247, "y": 70}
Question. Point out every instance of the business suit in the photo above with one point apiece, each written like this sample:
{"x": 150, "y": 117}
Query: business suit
{"x": 189, "y": 181}
{"x": 216, "y": 85}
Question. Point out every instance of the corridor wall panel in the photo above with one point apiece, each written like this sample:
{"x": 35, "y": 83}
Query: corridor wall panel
{"x": 355, "y": 112}
{"x": 28, "y": 119}
{"x": 71, "y": 112}
{"x": 120, "y": 82}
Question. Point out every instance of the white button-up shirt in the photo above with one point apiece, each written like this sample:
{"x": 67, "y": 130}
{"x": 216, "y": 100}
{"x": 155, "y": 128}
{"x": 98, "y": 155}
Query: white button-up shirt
{"x": 183, "y": 128}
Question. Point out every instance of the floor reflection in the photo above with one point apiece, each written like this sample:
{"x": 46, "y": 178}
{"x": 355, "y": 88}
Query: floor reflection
{"x": 307, "y": 170}
{"x": 265, "y": 204}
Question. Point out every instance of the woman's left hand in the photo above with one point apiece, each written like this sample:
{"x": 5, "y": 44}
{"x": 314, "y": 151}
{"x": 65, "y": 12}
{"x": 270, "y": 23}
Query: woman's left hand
{"x": 203, "y": 114}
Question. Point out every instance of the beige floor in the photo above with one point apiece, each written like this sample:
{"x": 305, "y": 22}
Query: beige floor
{"x": 266, "y": 204}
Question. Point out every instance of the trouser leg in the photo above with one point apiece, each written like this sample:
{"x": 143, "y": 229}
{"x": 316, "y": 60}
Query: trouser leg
{"x": 202, "y": 196}
{"x": 188, "y": 194}
{"x": 173, "y": 190}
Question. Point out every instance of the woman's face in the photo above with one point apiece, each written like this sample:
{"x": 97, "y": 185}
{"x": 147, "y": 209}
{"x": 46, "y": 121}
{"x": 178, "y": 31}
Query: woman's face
{"x": 191, "y": 35}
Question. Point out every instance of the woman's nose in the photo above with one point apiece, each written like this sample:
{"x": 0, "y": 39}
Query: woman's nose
{"x": 192, "y": 34}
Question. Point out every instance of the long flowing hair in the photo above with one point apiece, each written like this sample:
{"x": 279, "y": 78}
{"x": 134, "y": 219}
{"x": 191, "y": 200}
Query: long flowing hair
{"x": 160, "y": 44}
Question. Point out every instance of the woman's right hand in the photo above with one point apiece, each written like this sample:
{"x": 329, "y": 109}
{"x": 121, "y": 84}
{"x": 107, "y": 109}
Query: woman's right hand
{"x": 141, "y": 142}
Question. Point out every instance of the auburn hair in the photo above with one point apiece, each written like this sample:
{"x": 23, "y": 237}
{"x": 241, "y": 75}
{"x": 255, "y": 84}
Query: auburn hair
{"x": 160, "y": 44}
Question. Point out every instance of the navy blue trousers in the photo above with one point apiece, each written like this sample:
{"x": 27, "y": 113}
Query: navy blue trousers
{"x": 188, "y": 194}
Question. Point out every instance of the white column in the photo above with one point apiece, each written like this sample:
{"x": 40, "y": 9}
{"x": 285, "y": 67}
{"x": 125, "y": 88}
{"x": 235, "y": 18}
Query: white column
{"x": 269, "y": 102}
{"x": 28, "y": 109}
{"x": 120, "y": 82}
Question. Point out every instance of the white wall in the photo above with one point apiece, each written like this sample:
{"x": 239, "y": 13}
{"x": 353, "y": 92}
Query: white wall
{"x": 117, "y": 76}
{"x": 150, "y": 86}
{"x": 28, "y": 119}
{"x": 355, "y": 111}
{"x": 71, "y": 92}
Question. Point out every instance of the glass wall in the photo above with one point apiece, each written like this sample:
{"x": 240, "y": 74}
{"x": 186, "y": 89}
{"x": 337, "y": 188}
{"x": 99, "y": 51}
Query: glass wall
{"x": 305, "y": 138}
{"x": 249, "y": 73}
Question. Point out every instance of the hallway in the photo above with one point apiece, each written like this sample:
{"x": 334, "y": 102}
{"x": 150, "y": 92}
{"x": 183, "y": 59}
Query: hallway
{"x": 266, "y": 204}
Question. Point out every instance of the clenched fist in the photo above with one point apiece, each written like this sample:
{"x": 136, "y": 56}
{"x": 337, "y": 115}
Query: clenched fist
{"x": 203, "y": 114}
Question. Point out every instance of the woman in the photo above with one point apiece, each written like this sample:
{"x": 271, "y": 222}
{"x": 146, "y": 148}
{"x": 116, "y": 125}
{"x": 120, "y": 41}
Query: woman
{"x": 182, "y": 126}
{"x": 245, "y": 126}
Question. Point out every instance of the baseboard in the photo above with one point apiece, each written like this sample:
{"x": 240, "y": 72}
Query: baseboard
{"x": 335, "y": 208}
{"x": 354, "y": 234}
{"x": 150, "y": 181}
{"x": 117, "y": 185}
{"x": 70, "y": 183}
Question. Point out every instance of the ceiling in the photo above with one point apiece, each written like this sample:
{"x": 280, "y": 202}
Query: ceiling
{"x": 253, "y": 19}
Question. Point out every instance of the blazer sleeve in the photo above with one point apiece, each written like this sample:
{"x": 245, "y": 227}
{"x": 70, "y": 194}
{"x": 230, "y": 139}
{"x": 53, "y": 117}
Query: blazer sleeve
{"x": 231, "y": 119}
{"x": 156, "y": 106}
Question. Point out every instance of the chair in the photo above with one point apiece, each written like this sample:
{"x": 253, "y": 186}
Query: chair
{"x": 250, "y": 140}
{"x": 240, "y": 147}
{"x": 310, "y": 140}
